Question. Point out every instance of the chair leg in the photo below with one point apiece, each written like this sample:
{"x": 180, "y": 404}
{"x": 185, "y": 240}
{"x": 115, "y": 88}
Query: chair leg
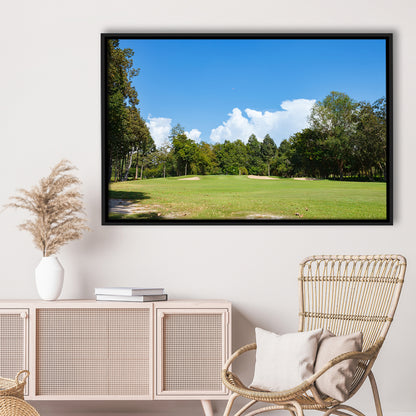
{"x": 375, "y": 393}
{"x": 244, "y": 408}
{"x": 230, "y": 404}
{"x": 335, "y": 410}
{"x": 269, "y": 409}
{"x": 292, "y": 411}
{"x": 206, "y": 405}
{"x": 298, "y": 407}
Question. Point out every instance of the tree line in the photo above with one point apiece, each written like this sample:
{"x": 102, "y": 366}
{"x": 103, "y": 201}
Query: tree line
{"x": 128, "y": 139}
{"x": 344, "y": 138}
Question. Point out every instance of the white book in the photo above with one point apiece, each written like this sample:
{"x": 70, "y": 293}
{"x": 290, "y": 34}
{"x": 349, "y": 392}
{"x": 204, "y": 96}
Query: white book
{"x": 142, "y": 298}
{"x": 129, "y": 291}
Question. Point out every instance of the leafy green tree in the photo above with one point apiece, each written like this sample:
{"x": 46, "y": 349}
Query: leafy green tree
{"x": 255, "y": 162}
{"x": 145, "y": 146}
{"x": 369, "y": 140}
{"x": 335, "y": 118}
{"x": 162, "y": 156}
{"x": 120, "y": 95}
{"x": 380, "y": 110}
{"x": 136, "y": 133}
{"x": 241, "y": 157}
{"x": 308, "y": 154}
{"x": 232, "y": 157}
{"x": 206, "y": 160}
{"x": 185, "y": 151}
{"x": 176, "y": 131}
{"x": 282, "y": 163}
{"x": 268, "y": 151}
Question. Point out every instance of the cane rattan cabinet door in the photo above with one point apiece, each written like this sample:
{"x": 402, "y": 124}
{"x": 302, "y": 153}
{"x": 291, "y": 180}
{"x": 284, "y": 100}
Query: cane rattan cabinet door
{"x": 13, "y": 342}
{"x": 94, "y": 352}
{"x": 192, "y": 346}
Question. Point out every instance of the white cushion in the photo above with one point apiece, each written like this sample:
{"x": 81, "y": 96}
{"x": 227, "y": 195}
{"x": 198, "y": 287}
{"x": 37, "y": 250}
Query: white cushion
{"x": 284, "y": 361}
{"x": 336, "y": 382}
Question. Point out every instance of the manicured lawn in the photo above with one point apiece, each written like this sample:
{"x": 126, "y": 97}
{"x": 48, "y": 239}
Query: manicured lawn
{"x": 235, "y": 197}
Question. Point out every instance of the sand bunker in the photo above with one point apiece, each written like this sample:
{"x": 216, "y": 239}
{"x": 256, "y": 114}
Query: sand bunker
{"x": 264, "y": 217}
{"x": 260, "y": 177}
{"x": 194, "y": 178}
{"x": 305, "y": 179}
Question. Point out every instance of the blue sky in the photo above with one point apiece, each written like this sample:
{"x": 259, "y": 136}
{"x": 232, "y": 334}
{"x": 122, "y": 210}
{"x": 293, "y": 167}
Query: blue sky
{"x": 228, "y": 89}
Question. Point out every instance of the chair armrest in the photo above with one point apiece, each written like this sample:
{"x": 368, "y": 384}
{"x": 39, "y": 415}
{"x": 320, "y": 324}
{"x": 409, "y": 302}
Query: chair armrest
{"x": 232, "y": 382}
{"x": 237, "y": 353}
{"x": 367, "y": 355}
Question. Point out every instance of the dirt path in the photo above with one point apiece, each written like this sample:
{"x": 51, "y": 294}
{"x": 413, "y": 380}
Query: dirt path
{"x": 128, "y": 207}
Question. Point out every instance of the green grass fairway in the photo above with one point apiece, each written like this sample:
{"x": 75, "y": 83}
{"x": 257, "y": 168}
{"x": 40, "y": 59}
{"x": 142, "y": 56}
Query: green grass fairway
{"x": 239, "y": 197}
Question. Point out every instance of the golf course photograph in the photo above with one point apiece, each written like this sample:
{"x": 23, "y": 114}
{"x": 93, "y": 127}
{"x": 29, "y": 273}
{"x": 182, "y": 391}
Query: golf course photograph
{"x": 246, "y": 129}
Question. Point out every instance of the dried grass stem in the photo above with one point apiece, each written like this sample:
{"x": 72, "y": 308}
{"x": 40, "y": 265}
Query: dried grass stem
{"x": 57, "y": 210}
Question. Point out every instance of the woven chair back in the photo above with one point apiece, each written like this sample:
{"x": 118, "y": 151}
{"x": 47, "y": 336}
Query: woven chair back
{"x": 347, "y": 294}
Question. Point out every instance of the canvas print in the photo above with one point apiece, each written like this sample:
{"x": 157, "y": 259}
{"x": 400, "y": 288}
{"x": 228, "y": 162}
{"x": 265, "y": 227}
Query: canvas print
{"x": 246, "y": 129}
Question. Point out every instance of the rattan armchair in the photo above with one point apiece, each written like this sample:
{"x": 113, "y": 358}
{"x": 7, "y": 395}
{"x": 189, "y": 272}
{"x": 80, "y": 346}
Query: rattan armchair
{"x": 344, "y": 294}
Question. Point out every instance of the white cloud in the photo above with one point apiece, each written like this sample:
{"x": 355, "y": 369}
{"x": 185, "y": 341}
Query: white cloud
{"x": 194, "y": 134}
{"x": 160, "y": 128}
{"x": 279, "y": 124}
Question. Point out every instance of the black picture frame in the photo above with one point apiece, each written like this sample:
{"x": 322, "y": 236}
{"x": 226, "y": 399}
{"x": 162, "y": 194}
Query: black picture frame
{"x": 388, "y": 220}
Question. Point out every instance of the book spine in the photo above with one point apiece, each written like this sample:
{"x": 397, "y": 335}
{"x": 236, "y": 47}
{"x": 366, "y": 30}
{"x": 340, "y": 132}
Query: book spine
{"x": 129, "y": 292}
{"x": 143, "y": 298}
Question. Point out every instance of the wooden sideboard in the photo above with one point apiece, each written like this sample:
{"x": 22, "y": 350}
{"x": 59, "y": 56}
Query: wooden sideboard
{"x": 90, "y": 350}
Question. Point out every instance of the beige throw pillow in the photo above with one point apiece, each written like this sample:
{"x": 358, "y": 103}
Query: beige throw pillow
{"x": 336, "y": 382}
{"x": 284, "y": 361}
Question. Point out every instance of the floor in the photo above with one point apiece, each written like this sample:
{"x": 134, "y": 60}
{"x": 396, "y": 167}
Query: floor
{"x": 124, "y": 408}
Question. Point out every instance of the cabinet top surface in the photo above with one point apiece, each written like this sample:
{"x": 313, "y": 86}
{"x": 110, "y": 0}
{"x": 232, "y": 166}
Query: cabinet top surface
{"x": 180, "y": 303}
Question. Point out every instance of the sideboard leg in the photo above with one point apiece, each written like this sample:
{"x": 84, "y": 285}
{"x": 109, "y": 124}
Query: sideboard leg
{"x": 206, "y": 405}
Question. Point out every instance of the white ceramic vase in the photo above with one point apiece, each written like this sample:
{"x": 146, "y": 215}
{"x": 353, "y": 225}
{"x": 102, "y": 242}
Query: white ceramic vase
{"x": 49, "y": 278}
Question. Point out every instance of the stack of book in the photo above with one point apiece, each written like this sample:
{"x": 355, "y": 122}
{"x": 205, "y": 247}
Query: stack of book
{"x": 130, "y": 294}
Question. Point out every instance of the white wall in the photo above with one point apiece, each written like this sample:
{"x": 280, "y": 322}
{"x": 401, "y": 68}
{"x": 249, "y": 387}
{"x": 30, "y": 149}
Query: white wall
{"x": 50, "y": 108}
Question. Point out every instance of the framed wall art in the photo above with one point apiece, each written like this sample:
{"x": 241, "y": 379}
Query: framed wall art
{"x": 247, "y": 128}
